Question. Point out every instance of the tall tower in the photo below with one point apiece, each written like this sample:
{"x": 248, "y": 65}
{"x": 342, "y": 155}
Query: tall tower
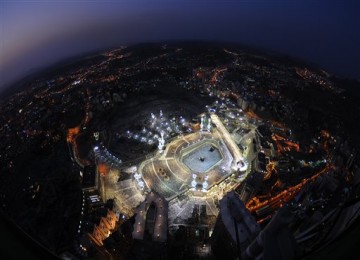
{"x": 234, "y": 230}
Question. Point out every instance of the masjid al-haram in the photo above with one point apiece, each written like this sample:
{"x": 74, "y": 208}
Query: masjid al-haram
{"x": 190, "y": 168}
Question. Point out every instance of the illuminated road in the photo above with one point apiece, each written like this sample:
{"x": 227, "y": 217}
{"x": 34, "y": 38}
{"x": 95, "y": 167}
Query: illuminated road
{"x": 289, "y": 193}
{"x": 284, "y": 196}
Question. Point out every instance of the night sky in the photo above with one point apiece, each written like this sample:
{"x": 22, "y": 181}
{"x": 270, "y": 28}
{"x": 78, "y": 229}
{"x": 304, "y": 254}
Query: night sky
{"x": 35, "y": 34}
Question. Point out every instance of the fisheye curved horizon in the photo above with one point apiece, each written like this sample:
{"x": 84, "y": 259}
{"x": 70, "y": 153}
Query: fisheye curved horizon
{"x": 37, "y": 34}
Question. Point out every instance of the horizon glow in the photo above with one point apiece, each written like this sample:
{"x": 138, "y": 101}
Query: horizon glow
{"x": 36, "y": 34}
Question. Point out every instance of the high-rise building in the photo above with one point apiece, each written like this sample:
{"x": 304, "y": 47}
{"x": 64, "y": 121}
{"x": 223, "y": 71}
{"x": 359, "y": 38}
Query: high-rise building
{"x": 234, "y": 229}
{"x": 250, "y": 186}
{"x": 275, "y": 241}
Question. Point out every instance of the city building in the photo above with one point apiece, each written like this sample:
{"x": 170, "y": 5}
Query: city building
{"x": 250, "y": 186}
{"x": 275, "y": 241}
{"x": 234, "y": 229}
{"x": 106, "y": 226}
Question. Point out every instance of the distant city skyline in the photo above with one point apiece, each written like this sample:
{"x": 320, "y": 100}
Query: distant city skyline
{"x": 36, "y": 34}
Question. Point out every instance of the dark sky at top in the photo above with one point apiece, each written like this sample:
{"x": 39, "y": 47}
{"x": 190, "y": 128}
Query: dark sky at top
{"x": 36, "y": 33}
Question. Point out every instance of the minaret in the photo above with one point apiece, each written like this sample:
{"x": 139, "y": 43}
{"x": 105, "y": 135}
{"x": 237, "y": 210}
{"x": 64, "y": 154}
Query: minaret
{"x": 209, "y": 125}
{"x": 193, "y": 183}
{"x": 202, "y": 124}
{"x": 205, "y": 183}
{"x": 161, "y": 141}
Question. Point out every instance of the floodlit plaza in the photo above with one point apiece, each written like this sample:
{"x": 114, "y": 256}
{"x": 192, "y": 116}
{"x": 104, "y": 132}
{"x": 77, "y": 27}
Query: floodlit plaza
{"x": 173, "y": 171}
{"x": 203, "y": 158}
